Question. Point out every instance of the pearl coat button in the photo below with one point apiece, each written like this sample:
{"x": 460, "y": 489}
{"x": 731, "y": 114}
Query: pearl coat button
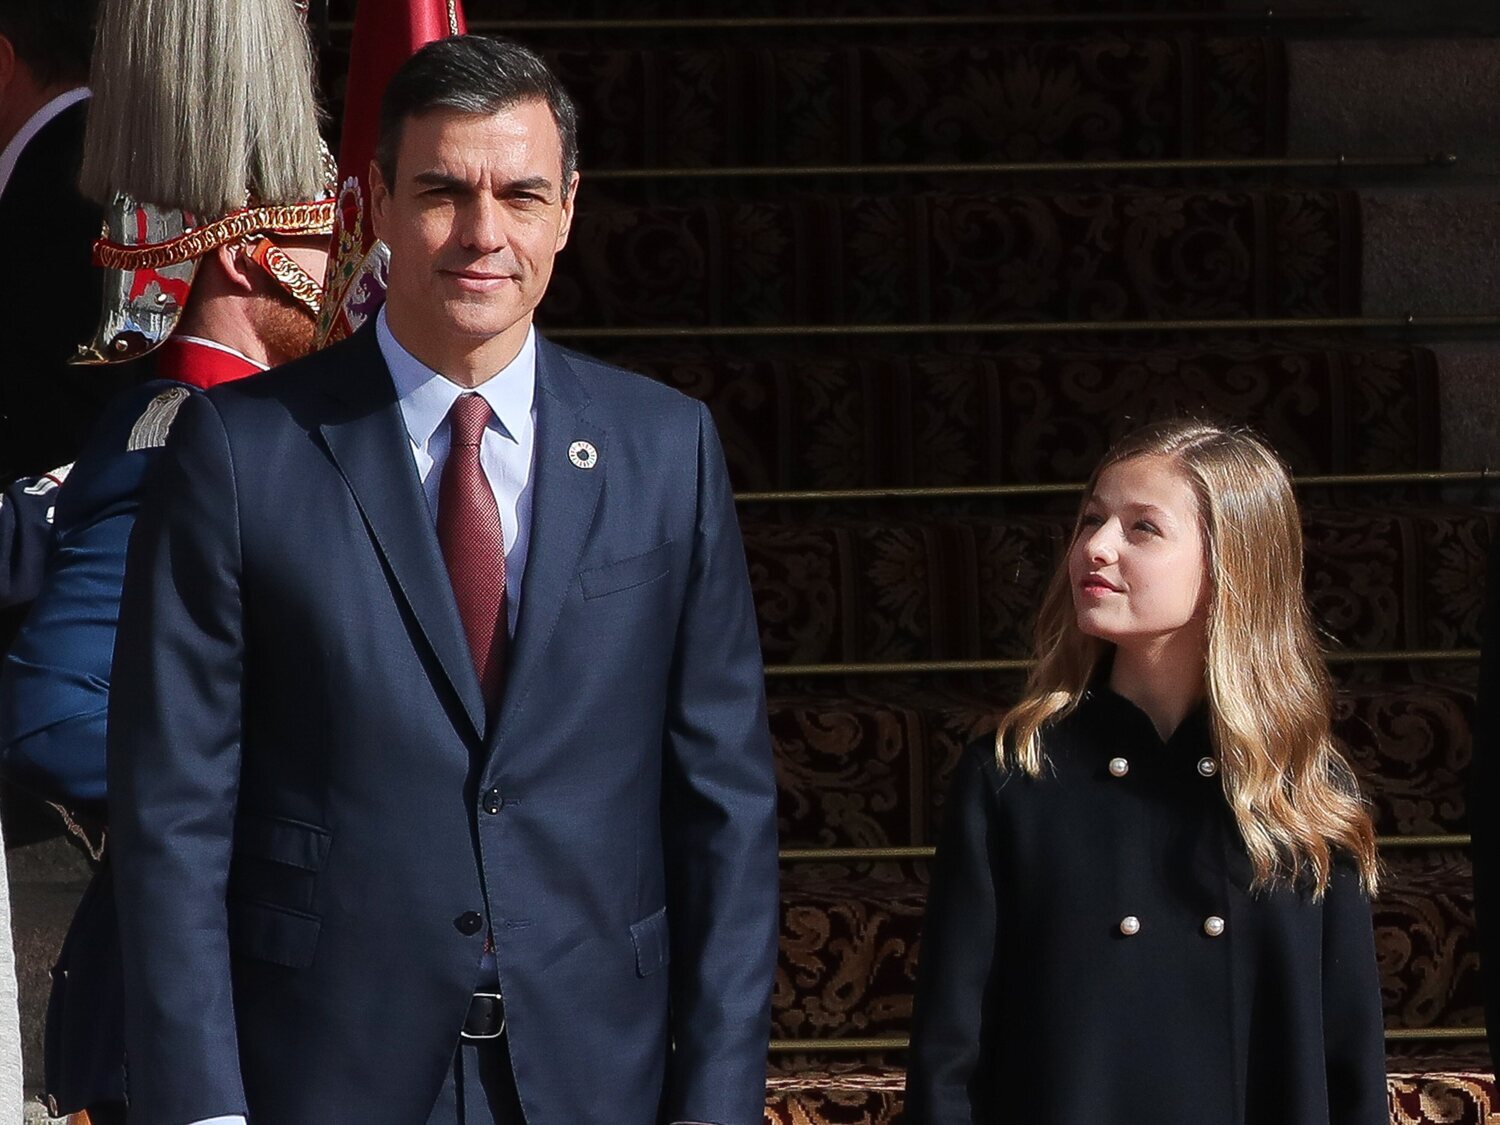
{"x": 1213, "y": 925}
{"x": 1118, "y": 767}
{"x": 1130, "y": 925}
{"x": 1207, "y": 767}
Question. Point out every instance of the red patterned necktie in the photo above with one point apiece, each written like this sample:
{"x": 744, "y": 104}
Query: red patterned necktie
{"x": 473, "y": 544}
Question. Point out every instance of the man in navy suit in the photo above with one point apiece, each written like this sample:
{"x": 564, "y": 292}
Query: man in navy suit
{"x": 440, "y": 784}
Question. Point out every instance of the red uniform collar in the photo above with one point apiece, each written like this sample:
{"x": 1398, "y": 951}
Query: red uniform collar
{"x": 201, "y": 364}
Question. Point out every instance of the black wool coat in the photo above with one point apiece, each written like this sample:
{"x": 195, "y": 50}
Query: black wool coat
{"x": 1093, "y": 953}
{"x": 51, "y": 296}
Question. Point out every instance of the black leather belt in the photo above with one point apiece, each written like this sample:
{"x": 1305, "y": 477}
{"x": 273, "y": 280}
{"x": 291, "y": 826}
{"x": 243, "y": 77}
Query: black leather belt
{"x": 486, "y": 1018}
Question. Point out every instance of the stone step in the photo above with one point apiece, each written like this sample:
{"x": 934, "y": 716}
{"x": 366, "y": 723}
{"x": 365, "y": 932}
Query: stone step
{"x": 45, "y": 888}
{"x": 1470, "y": 409}
{"x": 945, "y": 257}
{"x": 1397, "y": 95}
{"x": 860, "y": 417}
{"x": 963, "y": 588}
{"x": 1433, "y": 245}
{"x": 850, "y": 948}
{"x": 1390, "y": 20}
{"x": 870, "y": 769}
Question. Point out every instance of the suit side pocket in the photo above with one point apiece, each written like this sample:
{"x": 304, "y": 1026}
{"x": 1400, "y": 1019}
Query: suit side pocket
{"x": 276, "y": 861}
{"x": 273, "y": 933}
{"x": 650, "y": 937}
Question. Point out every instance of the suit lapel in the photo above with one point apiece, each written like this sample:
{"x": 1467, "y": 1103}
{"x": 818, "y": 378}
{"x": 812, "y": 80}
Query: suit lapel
{"x": 564, "y": 497}
{"x": 371, "y": 447}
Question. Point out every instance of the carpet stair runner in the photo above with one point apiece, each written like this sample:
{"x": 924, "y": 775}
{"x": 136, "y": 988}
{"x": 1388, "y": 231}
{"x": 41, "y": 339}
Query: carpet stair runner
{"x": 870, "y": 768}
{"x": 500, "y": 10}
{"x": 904, "y": 588}
{"x": 965, "y": 258}
{"x": 1447, "y": 1085}
{"x": 927, "y": 97}
{"x": 986, "y": 98}
{"x": 850, "y": 947}
{"x": 800, "y": 415}
{"x": 863, "y": 761}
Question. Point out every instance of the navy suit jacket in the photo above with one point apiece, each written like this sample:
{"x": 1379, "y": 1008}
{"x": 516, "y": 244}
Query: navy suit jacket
{"x": 301, "y": 768}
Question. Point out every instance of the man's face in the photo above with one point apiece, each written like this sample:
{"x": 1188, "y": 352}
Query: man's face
{"x": 474, "y": 219}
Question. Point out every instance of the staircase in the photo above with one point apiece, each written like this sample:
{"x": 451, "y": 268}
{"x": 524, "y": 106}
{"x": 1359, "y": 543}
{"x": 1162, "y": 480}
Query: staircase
{"x": 924, "y": 261}
{"x": 815, "y": 217}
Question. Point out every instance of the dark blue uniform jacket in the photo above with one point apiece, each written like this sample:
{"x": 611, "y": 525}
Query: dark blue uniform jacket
{"x": 54, "y": 694}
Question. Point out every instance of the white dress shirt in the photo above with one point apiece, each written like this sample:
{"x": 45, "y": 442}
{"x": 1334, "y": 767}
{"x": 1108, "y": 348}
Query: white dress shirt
{"x": 505, "y": 454}
{"x": 34, "y": 125}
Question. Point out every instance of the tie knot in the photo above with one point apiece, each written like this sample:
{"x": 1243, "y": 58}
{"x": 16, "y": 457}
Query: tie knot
{"x": 470, "y": 415}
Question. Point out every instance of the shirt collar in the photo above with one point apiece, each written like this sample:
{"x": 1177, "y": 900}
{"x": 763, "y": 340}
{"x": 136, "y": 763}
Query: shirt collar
{"x": 426, "y": 396}
{"x": 34, "y": 125}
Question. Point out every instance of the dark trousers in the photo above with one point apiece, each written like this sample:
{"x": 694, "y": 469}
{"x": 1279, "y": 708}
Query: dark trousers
{"x": 480, "y": 1089}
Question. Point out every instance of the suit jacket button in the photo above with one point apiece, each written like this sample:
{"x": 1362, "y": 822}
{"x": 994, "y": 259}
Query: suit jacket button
{"x": 1130, "y": 925}
{"x": 468, "y": 923}
{"x": 492, "y": 802}
{"x": 1207, "y": 767}
{"x": 1213, "y": 925}
{"x": 1118, "y": 767}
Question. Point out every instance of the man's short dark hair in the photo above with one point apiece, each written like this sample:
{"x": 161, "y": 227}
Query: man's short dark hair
{"x": 473, "y": 74}
{"x": 54, "y": 38}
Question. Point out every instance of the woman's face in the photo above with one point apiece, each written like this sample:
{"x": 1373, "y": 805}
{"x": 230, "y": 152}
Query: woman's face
{"x": 1137, "y": 565}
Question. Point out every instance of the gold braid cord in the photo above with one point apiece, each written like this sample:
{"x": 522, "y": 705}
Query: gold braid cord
{"x": 289, "y": 275}
{"x": 452, "y": 17}
{"x": 289, "y": 218}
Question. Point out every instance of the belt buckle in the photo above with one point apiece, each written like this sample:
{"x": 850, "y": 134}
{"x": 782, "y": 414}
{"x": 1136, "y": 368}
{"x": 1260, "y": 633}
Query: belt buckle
{"x": 498, "y": 1031}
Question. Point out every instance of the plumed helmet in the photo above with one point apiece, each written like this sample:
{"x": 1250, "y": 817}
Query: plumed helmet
{"x": 202, "y": 133}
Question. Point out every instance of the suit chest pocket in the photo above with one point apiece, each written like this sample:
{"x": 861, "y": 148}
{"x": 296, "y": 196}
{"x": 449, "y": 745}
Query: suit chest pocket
{"x": 626, "y": 574}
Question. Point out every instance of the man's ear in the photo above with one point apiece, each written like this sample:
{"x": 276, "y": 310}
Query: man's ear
{"x": 8, "y": 62}
{"x": 569, "y": 201}
{"x": 380, "y": 199}
{"x": 235, "y": 264}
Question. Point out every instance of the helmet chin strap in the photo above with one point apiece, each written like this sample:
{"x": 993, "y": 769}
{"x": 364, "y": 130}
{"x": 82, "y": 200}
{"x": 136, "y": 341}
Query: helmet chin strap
{"x": 291, "y": 278}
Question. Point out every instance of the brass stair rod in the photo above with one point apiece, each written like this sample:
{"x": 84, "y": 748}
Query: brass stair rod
{"x": 939, "y": 667}
{"x": 920, "y": 853}
{"x": 902, "y": 1042}
{"x": 983, "y": 491}
{"x": 1484, "y": 321}
{"x": 1015, "y": 168}
{"x": 977, "y": 19}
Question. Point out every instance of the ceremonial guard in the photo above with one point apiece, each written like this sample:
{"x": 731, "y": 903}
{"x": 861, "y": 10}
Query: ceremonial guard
{"x": 203, "y": 144}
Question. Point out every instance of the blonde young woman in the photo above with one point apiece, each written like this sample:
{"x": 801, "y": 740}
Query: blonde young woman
{"x": 1150, "y": 903}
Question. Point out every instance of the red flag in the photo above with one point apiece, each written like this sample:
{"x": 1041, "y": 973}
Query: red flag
{"x": 386, "y": 33}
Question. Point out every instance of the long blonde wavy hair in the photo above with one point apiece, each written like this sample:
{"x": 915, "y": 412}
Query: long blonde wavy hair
{"x": 1294, "y": 796}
